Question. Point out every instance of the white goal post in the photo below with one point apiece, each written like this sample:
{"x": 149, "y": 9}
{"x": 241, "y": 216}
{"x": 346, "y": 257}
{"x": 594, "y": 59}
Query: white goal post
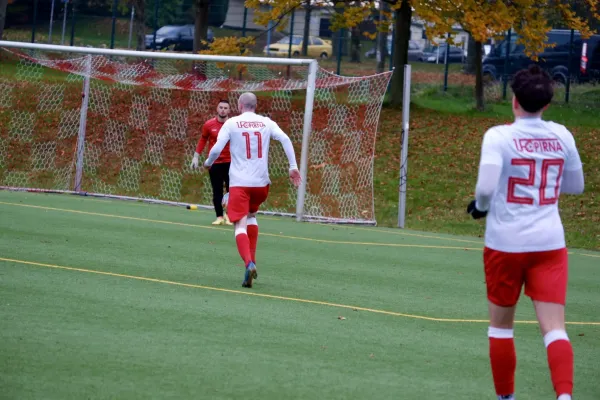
{"x": 123, "y": 124}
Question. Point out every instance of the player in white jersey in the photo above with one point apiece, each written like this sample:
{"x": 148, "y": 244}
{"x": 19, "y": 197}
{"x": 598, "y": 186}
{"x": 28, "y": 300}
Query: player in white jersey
{"x": 249, "y": 136}
{"x": 523, "y": 169}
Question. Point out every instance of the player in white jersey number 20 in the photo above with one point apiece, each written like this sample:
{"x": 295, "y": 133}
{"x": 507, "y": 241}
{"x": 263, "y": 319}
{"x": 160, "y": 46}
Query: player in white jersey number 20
{"x": 523, "y": 169}
{"x": 249, "y": 136}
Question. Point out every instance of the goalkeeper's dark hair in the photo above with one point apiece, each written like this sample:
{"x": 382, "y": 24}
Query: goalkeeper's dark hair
{"x": 224, "y": 101}
{"x": 533, "y": 88}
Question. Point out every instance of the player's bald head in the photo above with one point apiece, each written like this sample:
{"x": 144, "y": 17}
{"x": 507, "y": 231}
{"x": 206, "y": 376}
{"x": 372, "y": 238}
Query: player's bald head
{"x": 247, "y": 102}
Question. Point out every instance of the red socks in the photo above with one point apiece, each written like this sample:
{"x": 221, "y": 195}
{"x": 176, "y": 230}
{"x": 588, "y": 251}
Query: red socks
{"x": 246, "y": 240}
{"x": 504, "y": 361}
{"x": 253, "y": 236}
{"x": 243, "y": 245}
{"x": 560, "y": 361}
{"x": 503, "y": 358}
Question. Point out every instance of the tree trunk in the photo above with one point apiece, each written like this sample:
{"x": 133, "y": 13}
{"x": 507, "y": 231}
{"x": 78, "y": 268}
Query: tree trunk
{"x": 382, "y": 52}
{"x": 383, "y": 39}
{"x": 355, "y": 36}
{"x": 3, "y": 4}
{"x": 470, "y": 65}
{"x": 402, "y": 31}
{"x": 200, "y": 23}
{"x": 306, "y": 34}
{"x": 479, "y": 76}
{"x": 140, "y": 24}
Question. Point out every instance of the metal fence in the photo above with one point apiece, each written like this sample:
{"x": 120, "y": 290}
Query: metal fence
{"x": 570, "y": 62}
{"x": 345, "y": 52}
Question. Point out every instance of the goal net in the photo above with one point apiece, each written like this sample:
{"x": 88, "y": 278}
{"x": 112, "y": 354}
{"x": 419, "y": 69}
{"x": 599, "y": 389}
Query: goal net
{"x": 125, "y": 125}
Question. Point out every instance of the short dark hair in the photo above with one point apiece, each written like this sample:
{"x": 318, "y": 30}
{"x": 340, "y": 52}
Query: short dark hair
{"x": 533, "y": 88}
{"x": 223, "y": 101}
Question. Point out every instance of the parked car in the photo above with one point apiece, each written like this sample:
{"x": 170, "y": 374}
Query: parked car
{"x": 584, "y": 65}
{"x": 414, "y": 51}
{"x": 177, "y": 37}
{"x": 437, "y": 54}
{"x": 317, "y": 47}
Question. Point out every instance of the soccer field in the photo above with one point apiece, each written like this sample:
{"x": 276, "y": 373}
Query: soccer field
{"x": 112, "y": 299}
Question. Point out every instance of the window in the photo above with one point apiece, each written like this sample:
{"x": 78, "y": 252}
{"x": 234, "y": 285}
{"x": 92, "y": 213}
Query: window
{"x": 296, "y": 40}
{"x": 168, "y": 30}
{"x": 559, "y": 39}
{"x": 317, "y": 42}
{"x": 500, "y": 48}
{"x": 593, "y": 53}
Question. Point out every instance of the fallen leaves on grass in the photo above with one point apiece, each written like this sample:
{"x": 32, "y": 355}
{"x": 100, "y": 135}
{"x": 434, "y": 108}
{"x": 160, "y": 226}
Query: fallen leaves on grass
{"x": 443, "y": 158}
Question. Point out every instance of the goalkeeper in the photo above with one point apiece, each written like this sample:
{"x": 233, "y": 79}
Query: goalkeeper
{"x": 219, "y": 172}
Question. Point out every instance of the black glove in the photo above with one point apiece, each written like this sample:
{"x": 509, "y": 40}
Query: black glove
{"x": 475, "y": 213}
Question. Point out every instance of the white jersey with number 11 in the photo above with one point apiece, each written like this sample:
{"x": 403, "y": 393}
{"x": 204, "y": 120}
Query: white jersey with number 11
{"x": 249, "y": 136}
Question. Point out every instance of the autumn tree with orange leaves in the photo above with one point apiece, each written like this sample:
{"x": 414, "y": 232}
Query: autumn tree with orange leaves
{"x": 530, "y": 19}
{"x": 483, "y": 19}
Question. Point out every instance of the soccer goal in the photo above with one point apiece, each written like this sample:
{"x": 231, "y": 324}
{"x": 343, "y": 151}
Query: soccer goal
{"x": 124, "y": 124}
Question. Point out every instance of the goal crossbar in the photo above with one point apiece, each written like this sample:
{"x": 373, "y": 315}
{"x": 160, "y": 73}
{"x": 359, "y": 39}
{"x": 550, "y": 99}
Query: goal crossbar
{"x": 157, "y": 55}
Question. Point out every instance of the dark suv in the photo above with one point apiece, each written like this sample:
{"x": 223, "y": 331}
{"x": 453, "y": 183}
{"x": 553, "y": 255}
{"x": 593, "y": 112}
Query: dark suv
{"x": 584, "y": 66}
{"x": 179, "y": 37}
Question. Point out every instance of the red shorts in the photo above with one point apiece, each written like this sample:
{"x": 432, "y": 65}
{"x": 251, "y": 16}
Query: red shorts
{"x": 245, "y": 200}
{"x": 544, "y": 274}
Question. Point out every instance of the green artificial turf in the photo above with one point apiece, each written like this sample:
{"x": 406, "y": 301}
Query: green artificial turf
{"x": 102, "y": 329}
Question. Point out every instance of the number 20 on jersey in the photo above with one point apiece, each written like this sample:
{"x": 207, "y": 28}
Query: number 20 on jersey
{"x": 530, "y": 181}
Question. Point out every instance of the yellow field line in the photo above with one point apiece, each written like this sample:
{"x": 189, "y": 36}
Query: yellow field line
{"x": 276, "y": 218}
{"x": 270, "y": 296}
{"x": 387, "y": 232}
{"x": 266, "y": 233}
{"x": 586, "y": 255}
{"x": 229, "y": 229}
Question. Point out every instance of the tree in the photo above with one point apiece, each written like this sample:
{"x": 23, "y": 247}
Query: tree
{"x": 484, "y": 19}
{"x": 306, "y": 32}
{"x": 140, "y": 23}
{"x": 201, "y": 10}
{"x": 207, "y": 12}
{"x": 402, "y": 31}
{"x": 3, "y": 4}
{"x": 347, "y": 15}
{"x": 382, "y": 39}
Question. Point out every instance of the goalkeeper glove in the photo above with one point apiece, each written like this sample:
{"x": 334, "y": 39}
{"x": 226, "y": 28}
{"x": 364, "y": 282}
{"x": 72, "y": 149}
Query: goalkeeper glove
{"x": 475, "y": 213}
{"x": 195, "y": 161}
{"x": 225, "y": 200}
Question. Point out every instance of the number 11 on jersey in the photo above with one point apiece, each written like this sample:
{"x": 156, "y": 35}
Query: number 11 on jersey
{"x": 248, "y": 149}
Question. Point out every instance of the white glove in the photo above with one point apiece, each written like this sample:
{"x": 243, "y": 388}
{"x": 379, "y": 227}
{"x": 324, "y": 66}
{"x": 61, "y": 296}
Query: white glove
{"x": 225, "y": 200}
{"x": 195, "y": 161}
